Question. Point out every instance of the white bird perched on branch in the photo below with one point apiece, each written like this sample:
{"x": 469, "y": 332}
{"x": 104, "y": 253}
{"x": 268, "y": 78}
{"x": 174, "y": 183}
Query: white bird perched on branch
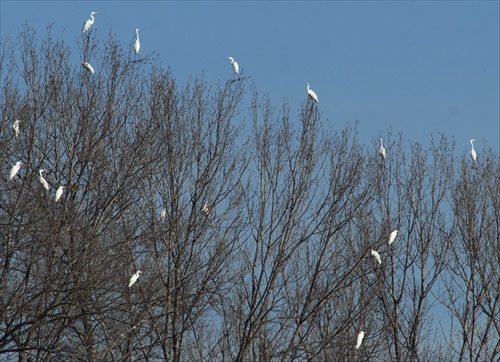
{"x": 381, "y": 150}
{"x": 89, "y": 67}
{"x": 392, "y": 236}
{"x": 234, "y": 64}
{"x": 16, "y": 126}
{"x": 15, "y": 169}
{"x": 359, "y": 339}
{"x": 134, "y": 278}
{"x": 89, "y": 22}
{"x": 205, "y": 209}
{"x": 163, "y": 214}
{"x": 59, "y": 193}
{"x": 43, "y": 181}
{"x": 137, "y": 44}
{"x": 472, "y": 151}
{"x": 377, "y": 256}
{"x": 311, "y": 94}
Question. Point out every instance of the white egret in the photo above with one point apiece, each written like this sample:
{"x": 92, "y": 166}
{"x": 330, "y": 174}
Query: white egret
{"x": 163, "y": 214}
{"x": 59, "y": 193}
{"x": 312, "y": 95}
{"x": 137, "y": 44}
{"x": 359, "y": 340}
{"x": 392, "y": 236}
{"x": 234, "y": 64}
{"x": 472, "y": 151}
{"x": 134, "y": 278}
{"x": 15, "y": 169}
{"x": 16, "y": 126}
{"x": 205, "y": 209}
{"x": 43, "y": 181}
{"x": 377, "y": 256}
{"x": 89, "y": 67}
{"x": 381, "y": 150}
{"x": 89, "y": 22}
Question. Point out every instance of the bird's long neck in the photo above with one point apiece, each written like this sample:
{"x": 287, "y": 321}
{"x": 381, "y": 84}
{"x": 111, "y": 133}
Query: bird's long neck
{"x": 381, "y": 144}
{"x": 472, "y": 144}
{"x": 137, "y": 33}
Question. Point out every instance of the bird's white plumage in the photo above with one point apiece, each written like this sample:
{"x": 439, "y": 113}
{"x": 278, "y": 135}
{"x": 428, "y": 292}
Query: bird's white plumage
{"x": 359, "y": 339}
{"x": 205, "y": 209}
{"x": 236, "y": 68}
{"x": 14, "y": 170}
{"x": 59, "y": 193}
{"x": 43, "y": 181}
{"x": 311, "y": 94}
{"x": 137, "y": 44}
{"x": 89, "y": 22}
{"x": 473, "y": 154}
{"x": 16, "y": 126}
{"x": 392, "y": 236}
{"x": 88, "y": 66}
{"x": 381, "y": 150}
{"x": 163, "y": 214}
{"x": 134, "y": 278}
{"x": 377, "y": 256}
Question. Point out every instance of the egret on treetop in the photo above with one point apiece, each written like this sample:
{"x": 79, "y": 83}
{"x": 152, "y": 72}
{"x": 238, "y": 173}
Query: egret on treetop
{"x": 134, "y": 278}
{"x": 89, "y": 67}
{"x": 377, "y": 256}
{"x": 234, "y": 64}
{"x": 16, "y": 126}
{"x": 381, "y": 150}
{"x": 15, "y": 169}
{"x": 472, "y": 151}
{"x": 392, "y": 236}
{"x": 59, "y": 193}
{"x": 312, "y": 95}
{"x": 89, "y": 22}
{"x": 359, "y": 340}
{"x": 137, "y": 44}
{"x": 44, "y": 181}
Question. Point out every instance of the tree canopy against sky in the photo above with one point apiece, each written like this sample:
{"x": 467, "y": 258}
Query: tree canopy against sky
{"x": 252, "y": 225}
{"x": 417, "y": 67}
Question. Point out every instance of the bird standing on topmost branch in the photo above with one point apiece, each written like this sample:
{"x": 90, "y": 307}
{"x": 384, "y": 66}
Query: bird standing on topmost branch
{"x": 137, "y": 44}
{"x": 473, "y": 154}
{"x": 311, "y": 94}
{"x": 89, "y": 22}
{"x": 381, "y": 150}
{"x": 235, "y": 65}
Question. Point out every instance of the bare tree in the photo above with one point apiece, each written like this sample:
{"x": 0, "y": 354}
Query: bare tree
{"x": 254, "y": 239}
{"x": 472, "y": 289}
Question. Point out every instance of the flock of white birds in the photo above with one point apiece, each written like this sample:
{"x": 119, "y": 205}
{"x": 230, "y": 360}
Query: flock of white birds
{"x": 137, "y": 45}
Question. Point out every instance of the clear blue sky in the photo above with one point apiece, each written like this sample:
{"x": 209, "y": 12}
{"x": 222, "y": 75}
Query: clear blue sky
{"x": 420, "y": 68}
